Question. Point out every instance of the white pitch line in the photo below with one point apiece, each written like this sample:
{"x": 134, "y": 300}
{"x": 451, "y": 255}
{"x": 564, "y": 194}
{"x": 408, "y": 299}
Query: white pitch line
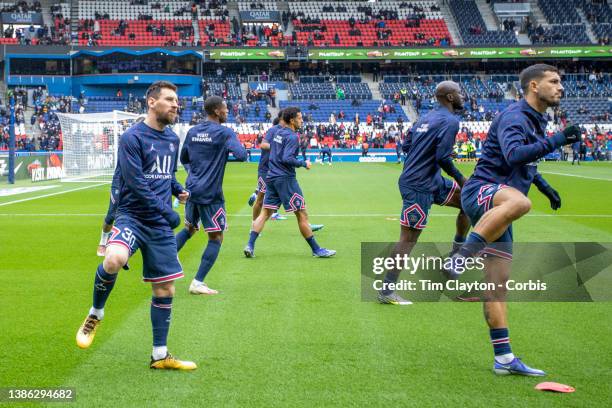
{"x": 576, "y": 175}
{"x": 310, "y": 215}
{"x": 50, "y": 194}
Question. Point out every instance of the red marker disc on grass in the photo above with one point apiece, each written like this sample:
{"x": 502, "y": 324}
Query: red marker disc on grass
{"x": 553, "y": 386}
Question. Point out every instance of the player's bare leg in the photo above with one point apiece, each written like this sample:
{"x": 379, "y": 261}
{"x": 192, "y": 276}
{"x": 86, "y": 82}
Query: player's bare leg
{"x": 462, "y": 223}
{"x": 509, "y": 205}
{"x": 304, "y": 226}
{"x": 407, "y": 240}
{"x": 161, "y": 310}
{"x": 258, "y": 205}
{"x": 116, "y": 256}
{"x": 257, "y": 228}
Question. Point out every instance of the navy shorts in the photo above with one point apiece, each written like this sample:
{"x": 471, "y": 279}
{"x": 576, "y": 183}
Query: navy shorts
{"x": 477, "y": 199}
{"x": 261, "y": 182}
{"x": 157, "y": 245}
{"x": 415, "y": 208}
{"x": 285, "y": 191}
{"x": 212, "y": 216}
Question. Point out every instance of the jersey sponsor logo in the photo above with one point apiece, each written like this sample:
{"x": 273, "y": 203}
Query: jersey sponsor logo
{"x": 152, "y": 147}
{"x": 161, "y": 169}
{"x": 172, "y": 148}
{"x": 423, "y": 128}
{"x": 202, "y": 137}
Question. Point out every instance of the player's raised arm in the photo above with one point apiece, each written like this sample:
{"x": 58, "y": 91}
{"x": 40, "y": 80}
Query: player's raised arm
{"x": 548, "y": 191}
{"x": 234, "y": 146}
{"x": 133, "y": 177}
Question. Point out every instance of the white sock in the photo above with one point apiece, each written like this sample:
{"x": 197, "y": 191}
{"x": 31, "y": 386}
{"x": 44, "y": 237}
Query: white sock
{"x": 104, "y": 238}
{"x": 505, "y": 358}
{"x": 99, "y": 313}
{"x": 159, "y": 352}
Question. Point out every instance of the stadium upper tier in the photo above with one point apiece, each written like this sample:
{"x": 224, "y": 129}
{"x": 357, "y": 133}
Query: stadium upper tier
{"x": 279, "y": 23}
{"x": 473, "y": 28}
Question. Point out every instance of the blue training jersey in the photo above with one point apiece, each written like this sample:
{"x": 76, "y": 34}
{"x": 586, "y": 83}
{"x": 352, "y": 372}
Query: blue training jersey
{"x": 284, "y": 148}
{"x": 147, "y": 160}
{"x": 205, "y": 150}
{"x": 430, "y": 141}
{"x": 263, "y": 166}
{"x": 516, "y": 140}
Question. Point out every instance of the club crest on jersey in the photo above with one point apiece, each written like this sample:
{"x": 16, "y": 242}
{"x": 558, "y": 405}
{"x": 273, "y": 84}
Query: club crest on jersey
{"x": 172, "y": 147}
{"x": 152, "y": 148}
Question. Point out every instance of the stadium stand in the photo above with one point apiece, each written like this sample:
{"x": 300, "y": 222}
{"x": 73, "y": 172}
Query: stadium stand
{"x": 321, "y": 111}
{"x": 472, "y": 27}
{"x": 350, "y": 24}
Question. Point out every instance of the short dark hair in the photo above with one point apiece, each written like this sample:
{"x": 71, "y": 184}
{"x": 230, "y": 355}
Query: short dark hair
{"x": 211, "y": 103}
{"x": 534, "y": 72}
{"x": 155, "y": 89}
{"x": 276, "y": 121}
{"x": 290, "y": 113}
{"x": 280, "y": 114}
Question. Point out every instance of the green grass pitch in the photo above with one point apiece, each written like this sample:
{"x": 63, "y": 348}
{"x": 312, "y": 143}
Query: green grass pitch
{"x": 288, "y": 329}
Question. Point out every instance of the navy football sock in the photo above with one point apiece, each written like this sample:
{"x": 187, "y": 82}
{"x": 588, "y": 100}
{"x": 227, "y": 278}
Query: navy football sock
{"x": 458, "y": 242}
{"x": 252, "y": 238}
{"x": 474, "y": 244}
{"x": 390, "y": 278}
{"x": 501, "y": 341}
{"x": 313, "y": 243}
{"x": 181, "y": 238}
{"x": 208, "y": 259}
{"x": 103, "y": 285}
{"x": 161, "y": 309}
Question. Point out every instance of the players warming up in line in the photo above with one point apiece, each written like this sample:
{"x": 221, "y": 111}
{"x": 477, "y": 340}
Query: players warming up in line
{"x": 282, "y": 186}
{"x": 205, "y": 151}
{"x": 256, "y": 199}
{"x": 428, "y": 149}
{"x": 496, "y": 195}
{"x": 148, "y": 153}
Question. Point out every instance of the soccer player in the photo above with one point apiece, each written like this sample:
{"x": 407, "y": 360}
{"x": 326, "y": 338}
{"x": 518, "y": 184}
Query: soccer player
{"x": 326, "y": 152}
{"x": 147, "y": 159}
{"x": 256, "y": 199}
{"x": 205, "y": 151}
{"x": 282, "y": 186}
{"x": 428, "y": 149}
{"x": 496, "y": 195}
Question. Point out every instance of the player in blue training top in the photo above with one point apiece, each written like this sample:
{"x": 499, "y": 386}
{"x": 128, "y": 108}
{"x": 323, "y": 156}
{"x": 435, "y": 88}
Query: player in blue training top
{"x": 205, "y": 151}
{"x": 148, "y": 153}
{"x": 496, "y": 195}
{"x": 256, "y": 199}
{"x": 429, "y": 148}
{"x": 326, "y": 152}
{"x": 282, "y": 186}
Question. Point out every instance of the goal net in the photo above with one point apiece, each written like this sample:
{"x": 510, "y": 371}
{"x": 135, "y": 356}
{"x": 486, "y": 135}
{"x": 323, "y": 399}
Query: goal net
{"x": 90, "y": 142}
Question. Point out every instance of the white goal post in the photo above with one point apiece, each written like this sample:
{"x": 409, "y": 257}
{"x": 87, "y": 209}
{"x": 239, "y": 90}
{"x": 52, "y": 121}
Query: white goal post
{"x": 90, "y": 142}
